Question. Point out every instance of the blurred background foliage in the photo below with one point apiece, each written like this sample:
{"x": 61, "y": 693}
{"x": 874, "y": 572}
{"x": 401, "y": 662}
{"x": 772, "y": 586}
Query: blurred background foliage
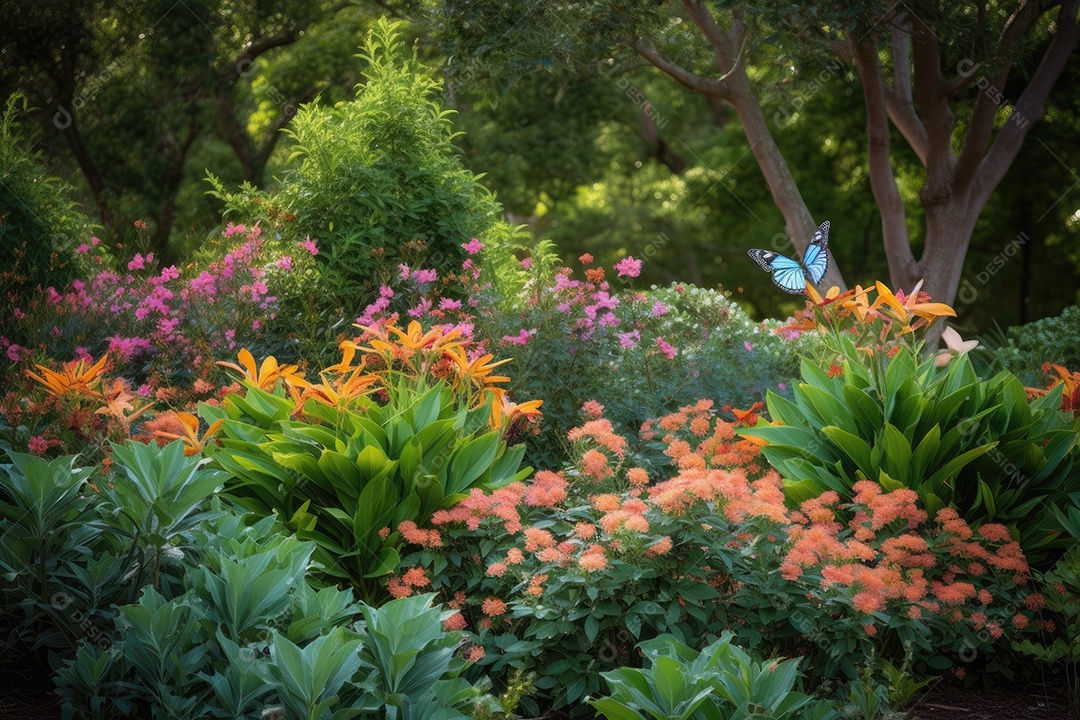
{"x": 133, "y": 102}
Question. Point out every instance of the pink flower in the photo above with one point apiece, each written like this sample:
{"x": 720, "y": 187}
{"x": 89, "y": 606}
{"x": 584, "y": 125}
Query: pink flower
{"x": 94, "y": 241}
{"x": 629, "y": 339}
{"x": 83, "y": 249}
{"x": 309, "y": 245}
{"x": 628, "y": 267}
{"x": 38, "y": 445}
{"x": 748, "y": 346}
{"x": 13, "y": 353}
{"x": 526, "y": 263}
{"x": 284, "y": 262}
{"x": 403, "y": 271}
{"x": 144, "y": 390}
{"x": 522, "y": 338}
{"x": 448, "y": 304}
{"x": 232, "y": 229}
{"x": 473, "y": 246}
{"x": 658, "y": 310}
{"x": 665, "y": 348}
{"x": 137, "y": 263}
{"x": 425, "y": 276}
{"x": 166, "y": 326}
{"x": 385, "y": 291}
{"x": 169, "y": 273}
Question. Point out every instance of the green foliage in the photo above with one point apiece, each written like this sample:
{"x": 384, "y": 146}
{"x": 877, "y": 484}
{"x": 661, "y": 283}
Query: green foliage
{"x": 159, "y": 496}
{"x": 1054, "y": 340}
{"x": 977, "y": 445}
{"x": 722, "y": 682}
{"x": 48, "y": 537}
{"x": 416, "y": 676}
{"x": 40, "y": 224}
{"x": 345, "y": 475}
{"x": 379, "y": 181}
{"x": 709, "y": 331}
{"x": 1062, "y": 596}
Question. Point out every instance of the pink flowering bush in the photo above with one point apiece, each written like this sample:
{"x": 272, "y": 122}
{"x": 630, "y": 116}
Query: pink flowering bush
{"x": 166, "y": 324}
{"x": 563, "y": 575}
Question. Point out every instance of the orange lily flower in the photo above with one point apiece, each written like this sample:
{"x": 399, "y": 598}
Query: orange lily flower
{"x": 928, "y": 311}
{"x": 118, "y": 401}
{"x": 266, "y": 375}
{"x": 76, "y": 376}
{"x": 193, "y": 444}
{"x": 748, "y": 417}
{"x": 339, "y": 393}
{"x": 504, "y": 411}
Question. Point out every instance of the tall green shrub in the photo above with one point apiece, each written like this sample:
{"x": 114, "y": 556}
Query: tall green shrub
{"x": 380, "y": 183}
{"x": 40, "y": 225}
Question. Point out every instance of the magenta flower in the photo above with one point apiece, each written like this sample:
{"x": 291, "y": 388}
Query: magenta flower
{"x": 658, "y": 310}
{"x": 526, "y": 263}
{"x": 137, "y": 262}
{"x": 404, "y": 271}
{"x": 629, "y": 339}
{"x": 666, "y": 348}
{"x": 628, "y": 267}
{"x": 232, "y": 229}
{"x": 284, "y": 262}
{"x": 425, "y": 276}
{"x": 83, "y": 249}
{"x": 748, "y": 346}
{"x": 448, "y": 304}
{"x": 522, "y": 338}
{"x": 94, "y": 241}
{"x": 473, "y": 246}
{"x": 38, "y": 445}
{"x": 309, "y": 245}
{"x": 386, "y": 291}
{"x": 169, "y": 273}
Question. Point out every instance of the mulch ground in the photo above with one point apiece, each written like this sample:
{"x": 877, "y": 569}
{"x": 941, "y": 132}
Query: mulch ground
{"x": 1028, "y": 703}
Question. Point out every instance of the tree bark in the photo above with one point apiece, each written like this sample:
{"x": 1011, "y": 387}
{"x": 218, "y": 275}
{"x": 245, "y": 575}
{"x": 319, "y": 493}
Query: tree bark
{"x": 734, "y": 87}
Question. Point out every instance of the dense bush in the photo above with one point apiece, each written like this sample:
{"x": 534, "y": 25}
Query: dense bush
{"x": 379, "y": 182}
{"x": 40, "y": 225}
{"x": 1050, "y": 340}
{"x": 602, "y": 555}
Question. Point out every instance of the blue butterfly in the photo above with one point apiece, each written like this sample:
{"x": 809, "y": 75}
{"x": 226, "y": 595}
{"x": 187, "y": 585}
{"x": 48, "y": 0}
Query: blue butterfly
{"x": 790, "y": 275}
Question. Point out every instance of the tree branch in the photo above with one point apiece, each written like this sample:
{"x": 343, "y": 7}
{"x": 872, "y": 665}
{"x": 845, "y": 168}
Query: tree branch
{"x": 239, "y": 66}
{"x": 882, "y": 180}
{"x": 989, "y": 98}
{"x": 693, "y": 81}
{"x": 1030, "y": 108}
{"x": 899, "y": 102}
{"x": 933, "y": 103}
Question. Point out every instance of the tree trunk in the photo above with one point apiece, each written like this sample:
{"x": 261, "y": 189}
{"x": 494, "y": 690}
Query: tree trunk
{"x": 798, "y": 222}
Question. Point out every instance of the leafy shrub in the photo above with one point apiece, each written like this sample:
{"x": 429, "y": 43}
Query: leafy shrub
{"x": 40, "y": 226}
{"x": 595, "y": 556}
{"x": 1059, "y": 647}
{"x": 722, "y": 682}
{"x": 379, "y": 182}
{"x": 1050, "y": 340}
{"x": 348, "y": 469}
{"x": 250, "y": 634}
{"x": 976, "y": 445}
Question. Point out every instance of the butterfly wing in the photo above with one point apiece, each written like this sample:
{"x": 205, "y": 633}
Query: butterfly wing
{"x": 787, "y": 274}
{"x": 816, "y": 258}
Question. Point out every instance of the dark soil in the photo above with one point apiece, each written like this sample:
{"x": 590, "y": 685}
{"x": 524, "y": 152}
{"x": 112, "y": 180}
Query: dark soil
{"x": 1034, "y": 702}
{"x": 1031, "y": 703}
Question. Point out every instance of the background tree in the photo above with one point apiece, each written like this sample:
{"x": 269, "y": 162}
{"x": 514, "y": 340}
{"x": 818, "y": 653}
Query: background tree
{"x": 727, "y": 54}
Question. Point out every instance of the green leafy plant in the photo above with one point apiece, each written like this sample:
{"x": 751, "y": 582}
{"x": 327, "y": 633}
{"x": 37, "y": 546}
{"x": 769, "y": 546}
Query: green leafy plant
{"x": 344, "y": 475}
{"x": 1059, "y": 649}
{"x": 977, "y": 445}
{"x": 416, "y": 676}
{"x": 47, "y": 527}
{"x": 721, "y": 682}
{"x": 159, "y": 496}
